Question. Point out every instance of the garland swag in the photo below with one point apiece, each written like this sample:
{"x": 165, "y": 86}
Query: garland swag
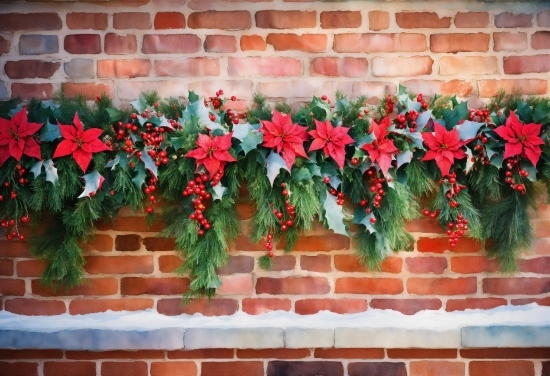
{"x": 66, "y": 165}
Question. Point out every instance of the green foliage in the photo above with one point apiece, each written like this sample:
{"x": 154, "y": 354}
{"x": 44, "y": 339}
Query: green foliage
{"x": 260, "y": 110}
{"x": 418, "y": 178}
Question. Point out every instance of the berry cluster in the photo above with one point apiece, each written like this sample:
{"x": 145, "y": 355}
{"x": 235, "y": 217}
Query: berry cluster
{"x": 150, "y": 187}
{"x": 339, "y": 195}
{"x": 269, "y": 245}
{"x": 481, "y": 116}
{"x": 408, "y": 119}
{"x": 511, "y": 164}
{"x": 14, "y": 233}
{"x": 285, "y": 221}
{"x": 197, "y": 189}
{"x": 480, "y": 150}
{"x": 217, "y": 103}
{"x": 376, "y": 186}
{"x": 389, "y": 104}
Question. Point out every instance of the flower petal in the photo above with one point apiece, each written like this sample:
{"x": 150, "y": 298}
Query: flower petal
{"x": 32, "y": 149}
{"x": 82, "y": 158}
{"x": 64, "y": 148}
{"x": 317, "y": 144}
{"x": 91, "y": 134}
{"x": 511, "y": 149}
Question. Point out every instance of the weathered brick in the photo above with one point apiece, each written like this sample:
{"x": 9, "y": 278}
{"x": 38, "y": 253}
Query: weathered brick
{"x": 123, "y": 68}
{"x": 292, "y": 285}
{"x": 284, "y": 262}
{"x": 134, "y": 368}
{"x": 543, "y": 18}
{"x": 436, "y": 368}
{"x": 339, "y": 67}
{"x": 455, "y": 66}
{"x": 256, "y": 306}
{"x": 19, "y": 368}
{"x": 442, "y": 286}
{"x": 115, "y": 354}
{"x": 84, "y": 306}
{"x": 349, "y": 353}
{"x": 264, "y": 66}
{"x": 170, "y": 43}
{"x": 132, "y": 20}
{"x": 79, "y": 68}
{"x": 253, "y": 43}
{"x": 365, "y": 285}
{"x": 545, "y": 369}
{"x": 85, "y": 20}
{"x": 99, "y": 243}
{"x": 156, "y": 244}
{"x": 318, "y": 263}
{"x": 169, "y": 20}
{"x": 69, "y": 369}
{"x": 506, "y": 353}
{"x": 377, "y": 368}
{"x": 474, "y": 303}
{"x": 506, "y": 41}
{"x": 169, "y": 263}
{"x": 254, "y": 368}
{"x": 214, "y": 307}
{"x": 13, "y": 287}
{"x": 30, "y": 354}
{"x": 237, "y": 264}
{"x": 320, "y": 243}
{"x": 459, "y": 42}
{"x": 28, "y": 91}
{"x": 540, "y": 265}
{"x": 474, "y": 264}
{"x": 241, "y": 88}
{"x": 406, "y": 306}
{"x": 35, "y": 44}
{"x": 436, "y": 265}
{"x": 92, "y": 286}
{"x": 422, "y": 353}
{"x": 379, "y": 42}
{"x": 3, "y": 91}
{"x": 540, "y": 40}
{"x": 30, "y": 268}
{"x": 285, "y": 19}
{"x": 35, "y": 307}
{"x": 397, "y": 67}
{"x": 508, "y": 19}
{"x": 5, "y": 45}
{"x": 509, "y": 286}
{"x": 278, "y": 89}
{"x": 201, "y": 354}
{"x": 226, "y": 20}
{"x": 472, "y": 19}
{"x": 299, "y": 368}
{"x": 340, "y": 19}
{"x": 127, "y": 243}
{"x": 379, "y": 20}
{"x": 173, "y": 368}
{"x": 220, "y": 43}
{"x": 502, "y": 368}
{"x": 236, "y": 285}
{"x": 525, "y": 86}
{"x": 439, "y": 245}
{"x": 312, "y": 306}
{"x": 350, "y": 263}
{"x": 354, "y": 89}
{"x": 153, "y": 286}
{"x": 6, "y": 267}
{"x": 119, "y": 264}
{"x": 527, "y": 64}
{"x": 118, "y": 44}
{"x": 540, "y": 302}
{"x": 421, "y": 20}
{"x": 82, "y": 43}
{"x": 30, "y": 21}
{"x": 90, "y": 91}
{"x": 304, "y": 42}
{"x": 273, "y": 353}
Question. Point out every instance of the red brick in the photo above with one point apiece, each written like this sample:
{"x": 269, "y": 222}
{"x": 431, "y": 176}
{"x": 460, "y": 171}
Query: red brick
{"x": 488, "y": 88}
{"x": 187, "y": 67}
{"x": 339, "y": 67}
{"x": 508, "y": 19}
{"x": 232, "y": 368}
{"x": 214, "y": 307}
{"x": 369, "y": 286}
{"x": 273, "y": 353}
{"x": 82, "y": 44}
{"x": 406, "y": 306}
{"x": 220, "y": 43}
{"x": 377, "y": 368}
{"x": 421, "y": 20}
{"x": 424, "y": 224}
{"x": 89, "y": 90}
{"x": 321, "y": 243}
{"x": 474, "y": 264}
{"x": 85, "y": 20}
{"x": 30, "y": 69}
{"x": 455, "y": 66}
{"x": 543, "y": 18}
{"x": 472, "y": 19}
{"x": 430, "y": 88}
{"x": 506, "y": 41}
{"x": 127, "y": 243}
{"x": 292, "y": 285}
{"x": 118, "y": 44}
{"x": 35, "y": 307}
{"x": 18, "y": 369}
{"x": 350, "y": 263}
{"x": 541, "y": 302}
{"x": 13, "y": 287}
{"x": 99, "y": 242}
{"x": 28, "y": 91}
{"x": 439, "y": 245}
{"x": 236, "y": 285}
{"x": 92, "y": 286}
{"x": 340, "y": 19}
{"x": 237, "y": 264}
{"x": 264, "y": 66}
{"x": 285, "y": 262}
{"x": 173, "y": 369}
{"x": 169, "y": 20}
{"x": 379, "y": 42}
{"x": 503, "y": 368}
{"x": 319, "y": 263}
{"x": 509, "y": 286}
{"x": 256, "y": 306}
{"x": 396, "y": 66}
{"x": 115, "y": 354}
{"x": 30, "y": 21}
{"x": 252, "y": 43}
{"x": 153, "y": 286}
{"x": 171, "y": 44}
{"x": 379, "y": 20}
{"x": 69, "y": 369}
{"x": 243, "y": 243}
{"x": 123, "y": 68}
{"x": 131, "y": 20}
{"x": 312, "y": 306}
{"x": 474, "y": 303}
{"x": 201, "y": 354}
{"x": 506, "y": 353}
{"x": 458, "y": 42}
{"x": 436, "y": 265}
{"x": 225, "y": 20}
{"x": 527, "y": 64}
{"x": 30, "y": 268}
{"x": 540, "y": 40}
{"x": 6, "y": 267}
{"x": 289, "y": 19}
{"x": 349, "y": 353}
{"x": 30, "y": 354}
{"x": 83, "y": 306}
{"x": 5, "y": 45}
{"x": 119, "y": 264}
{"x": 157, "y": 244}
{"x": 294, "y": 42}
{"x": 169, "y": 263}
{"x": 422, "y": 353}
{"x": 245, "y": 210}
{"x": 135, "y": 368}
{"x": 437, "y": 368}
{"x": 442, "y": 286}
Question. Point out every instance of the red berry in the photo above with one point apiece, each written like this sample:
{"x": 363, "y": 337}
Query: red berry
{"x": 283, "y": 228}
{"x": 24, "y": 219}
{"x": 373, "y": 220}
{"x": 354, "y": 161}
{"x": 149, "y": 209}
{"x": 233, "y": 98}
{"x": 326, "y": 180}
{"x": 200, "y": 232}
{"x": 324, "y": 97}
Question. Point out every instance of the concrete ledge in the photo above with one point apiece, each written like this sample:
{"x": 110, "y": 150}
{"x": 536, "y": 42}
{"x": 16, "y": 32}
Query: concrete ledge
{"x": 505, "y": 336}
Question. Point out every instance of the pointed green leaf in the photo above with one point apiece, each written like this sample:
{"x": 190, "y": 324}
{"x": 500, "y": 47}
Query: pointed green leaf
{"x": 93, "y": 182}
{"x": 51, "y": 171}
{"x": 274, "y": 164}
{"x": 49, "y": 132}
{"x": 334, "y": 214}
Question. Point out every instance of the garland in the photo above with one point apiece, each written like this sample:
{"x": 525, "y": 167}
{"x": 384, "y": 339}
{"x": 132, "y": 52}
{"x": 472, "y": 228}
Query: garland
{"x": 66, "y": 165}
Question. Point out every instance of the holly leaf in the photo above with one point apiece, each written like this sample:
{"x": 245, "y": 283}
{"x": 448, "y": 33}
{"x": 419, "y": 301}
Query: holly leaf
{"x": 139, "y": 179}
{"x": 274, "y": 164}
{"x": 468, "y": 130}
{"x": 367, "y": 223}
{"x": 49, "y": 132}
{"x": 541, "y": 112}
{"x": 113, "y": 162}
{"x": 114, "y": 114}
{"x": 51, "y": 171}
{"x": 531, "y": 170}
{"x": 413, "y": 105}
{"x": 422, "y": 120}
{"x": 454, "y": 116}
{"x": 36, "y": 169}
{"x": 240, "y": 131}
{"x": 402, "y": 90}
{"x": 341, "y": 104}
{"x": 334, "y": 214}
{"x": 93, "y": 182}
{"x": 217, "y": 191}
{"x": 191, "y": 126}
{"x": 523, "y": 111}
{"x": 320, "y": 108}
{"x": 139, "y": 104}
{"x": 251, "y": 141}
{"x": 497, "y": 160}
{"x": 300, "y": 174}
{"x": 403, "y": 157}
{"x": 314, "y": 169}
{"x": 383, "y": 244}
{"x": 148, "y": 161}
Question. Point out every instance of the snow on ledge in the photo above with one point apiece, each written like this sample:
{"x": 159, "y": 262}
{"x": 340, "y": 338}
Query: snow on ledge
{"x": 508, "y": 326}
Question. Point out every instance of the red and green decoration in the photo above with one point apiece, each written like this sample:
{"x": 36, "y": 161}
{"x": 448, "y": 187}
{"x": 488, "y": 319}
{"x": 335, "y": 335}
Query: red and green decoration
{"x": 66, "y": 164}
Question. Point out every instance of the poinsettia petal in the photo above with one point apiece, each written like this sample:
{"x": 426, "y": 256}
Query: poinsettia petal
{"x": 4, "y": 154}
{"x": 505, "y": 132}
{"x": 384, "y": 161}
{"x": 440, "y": 133}
{"x": 32, "y": 149}
{"x": 301, "y": 132}
{"x": 98, "y": 146}
{"x": 64, "y": 148}
{"x": 344, "y": 137}
{"x": 289, "y": 157}
{"x": 317, "y": 144}
{"x": 321, "y": 127}
{"x": 269, "y": 127}
{"x": 534, "y": 140}
{"x": 444, "y": 164}
{"x": 197, "y": 154}
{"x": 204, "y": 141}
{"x": 68, "y": 132}
{"x": 459, "y": 154}
{"x": 223, "y": 142}
{"x": 533, "y": 154}
{"x": 16, "y": 148}
{"x": 430, "y": 154}
{"x": 212, "y": 165}
{"x": 511, "y": 149}
{"x": 430, "y": 140}
{"x": 338, "y": 154}
{"x": 79, "y": 126}
{"x": 513, "y": 123}
{"x": 532, "y": 129}
{"x": 91, "y": 134}
{"x": 82, "y": 158}
{"x": 387, "y": 146}
{"x": 223, "y": 155}
{"x": 299, "y": 149}
{"x": 19, "y": 120}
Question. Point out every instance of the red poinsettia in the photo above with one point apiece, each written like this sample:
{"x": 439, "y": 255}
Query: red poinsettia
{"x": 212, "y": 152}
{"x": 16, "y": 137}
{"x": 522, "y": 140}
{"x": 332, "y": 140}
{"x": 381, "y": 150}
{"x": 445, "y": 146}
{"x": 80, "y": 143}
{"x": 283, "y": 136}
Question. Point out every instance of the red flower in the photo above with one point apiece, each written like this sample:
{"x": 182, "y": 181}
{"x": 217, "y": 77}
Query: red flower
{"x": 381, "y": 150}
{"x": 212, "y": 152}
{"x": 81, "y": 144}
{"x": 283, "y": 136}
{"x": 522, "y": 140}
{"x": 445, "y": 147}
{"x": 16, "y": 137}
{"x": 332, "y": 140}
